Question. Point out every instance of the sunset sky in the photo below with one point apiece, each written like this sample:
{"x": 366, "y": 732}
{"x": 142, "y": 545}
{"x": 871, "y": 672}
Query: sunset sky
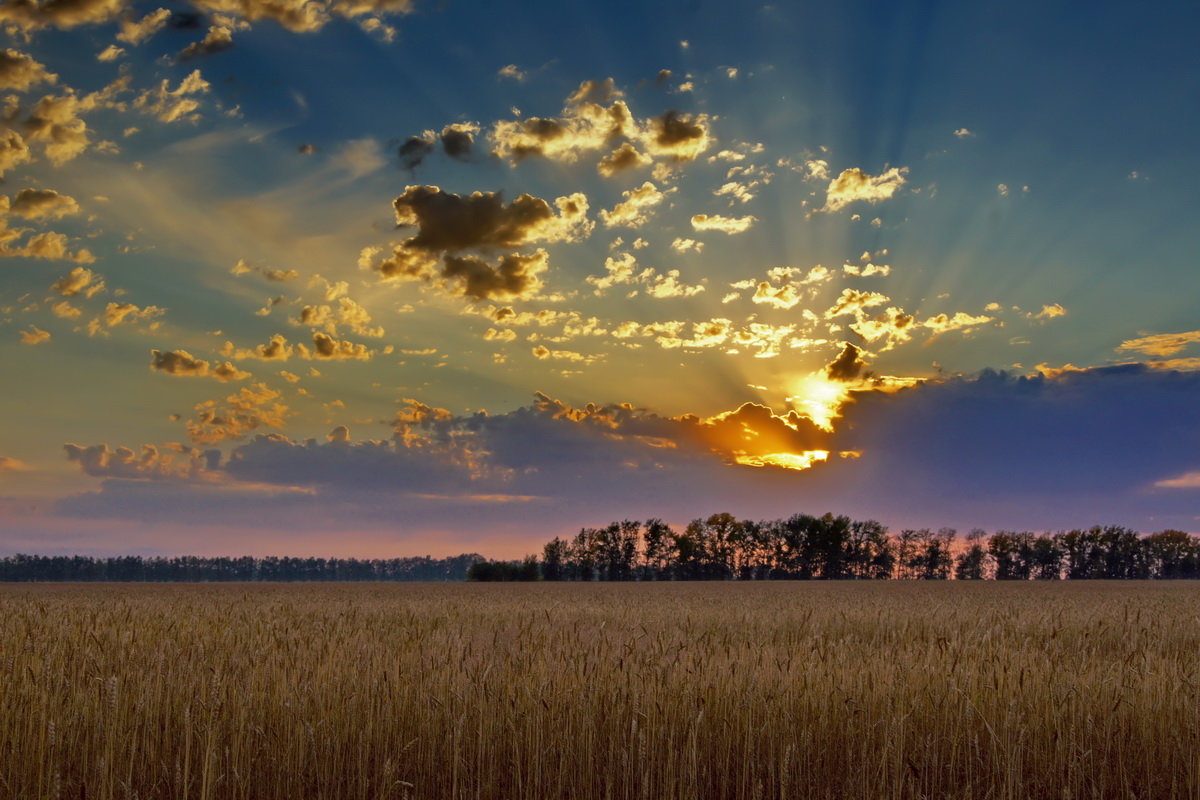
{"x": 389, "y": 277}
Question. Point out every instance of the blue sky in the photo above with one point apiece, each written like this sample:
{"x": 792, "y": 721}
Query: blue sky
{"x": 915, "y": 191}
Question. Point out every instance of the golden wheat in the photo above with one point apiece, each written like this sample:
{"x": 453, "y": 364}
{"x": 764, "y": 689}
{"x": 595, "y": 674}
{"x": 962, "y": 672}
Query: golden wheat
{"x": 655, "y": 691}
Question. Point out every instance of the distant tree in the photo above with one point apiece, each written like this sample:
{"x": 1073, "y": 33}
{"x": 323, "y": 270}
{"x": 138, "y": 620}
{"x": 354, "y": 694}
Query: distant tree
{"x": 554, "y": 559}
{"x": 1004, "y": 548}
{"x": 936, "y": 559}
{"x": 657, "y": 538}
{"x": 1046, "y": 558}
{"x": 972, "y": 562}
{"x": 504, "y": 571}
{"x": 1172, "y": 554}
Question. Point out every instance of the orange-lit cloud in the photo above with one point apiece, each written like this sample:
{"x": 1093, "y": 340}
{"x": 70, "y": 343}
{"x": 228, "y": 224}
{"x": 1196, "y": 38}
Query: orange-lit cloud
{"x": 1160, "y": 344}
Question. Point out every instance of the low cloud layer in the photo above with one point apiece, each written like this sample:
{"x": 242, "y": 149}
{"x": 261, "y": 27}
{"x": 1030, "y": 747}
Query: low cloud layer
{"x": 934, "y": 454}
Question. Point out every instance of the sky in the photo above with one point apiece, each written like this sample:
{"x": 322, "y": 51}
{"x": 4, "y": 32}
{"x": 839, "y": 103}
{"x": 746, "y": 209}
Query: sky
{"x": 393, "y": 277}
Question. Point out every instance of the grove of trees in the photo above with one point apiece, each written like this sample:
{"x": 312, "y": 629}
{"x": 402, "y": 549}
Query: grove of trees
{"x": 805, "y": 547}
{"x": 246, "y": 568}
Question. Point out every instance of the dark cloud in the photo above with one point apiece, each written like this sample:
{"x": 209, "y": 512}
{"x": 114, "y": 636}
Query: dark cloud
{"x": 451, "y": 222}
{"x": 174, "y": 462}
{"x": 514, "y": 275}
{"x": 848, "y": 366}
{"x": 185, "y": 21}
{"x": 1078, "y": 448}
{"x": 624, "y": 157}
{"x": 458, "y": 141}
{"x": 42, "y": 204}
{"x": 218, "y": 39}
{"x": 457, "y": 237}
{"x": 184, "y": 364}
{"x": 31, "y": 14}
{"x": 413, "y": 151}
{"x": 680, "y": 135}
{"x": 298, "y": 17}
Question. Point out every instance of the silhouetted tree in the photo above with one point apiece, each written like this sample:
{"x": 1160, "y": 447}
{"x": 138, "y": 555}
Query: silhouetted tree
{"x": 971, "y": 562}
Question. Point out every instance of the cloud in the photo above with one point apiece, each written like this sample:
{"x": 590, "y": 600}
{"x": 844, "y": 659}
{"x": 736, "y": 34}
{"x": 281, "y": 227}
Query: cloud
{"x": 789, "y": 293}
{"x": 34, "y": 335}
{"x": 851, "y": 301}
{"x": 455, "y": 235}
{"x": 173, "y": 462}
{"x": 414, "y": 150}
{"x": 627, "y": 156}
{"x": 867, "y": 270}
{"x": 542, "y": 353}
{"x": 47, "y": 245}
{"x": 848, "y": 366}
{"x": 9, "y": 464}
{"x": 13, "y": 151}
{"x": 892, "y": 325}
{"x": 276, "y": 349}
{"x": 1050, "y": 312}
{"x": 135, "y": 31}
{"x": 854, "y": 185}
{"x": 180, "y": 104}
{"x": 347, "y": 313}
{"x": 622, "y": 268}
{"x": 298, "y": 16}
{"x": 596, "y": 118}
{"x": 55, "y": 124}
{"x": 681, "y": 136}
{"x": 1160, "y": 344}
{"x": 944, "y": 323}
{"x": 457, "y": 140}
{"x": 448, "y": 222}
{"x": 42, "y": 204}
{"x": 252, "y": 408}
{"x": 512, "y": 71}
{"x": 326, "y": 347}
{"x": 64, "y": 14}
{"x": 116, "y": 314}
{"x": 667, "y": 285}
{"x": 994, "y": 451}
{"x": 634, "y": 210}
{"x": 619, "y": 268}
{"x": 682, "y": 245}
{"x": 716, "y": 222}
{"x": 21, "y": 72}
{"x": 184, "y": 364}
{"x": 270, "y": 273}
{"x": 514, "y": 276}
{"x": 79, "y": 280}
{"x": 64, "y": 310}
{"x": 218, "y": 39}
{"x": 1188, "y": 480}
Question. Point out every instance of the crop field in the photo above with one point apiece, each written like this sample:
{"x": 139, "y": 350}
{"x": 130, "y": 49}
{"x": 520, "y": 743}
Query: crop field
{"x": 589, "y": 691}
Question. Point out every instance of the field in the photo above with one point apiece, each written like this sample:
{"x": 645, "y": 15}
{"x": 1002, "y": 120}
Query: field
{"x": 656, "y": 691}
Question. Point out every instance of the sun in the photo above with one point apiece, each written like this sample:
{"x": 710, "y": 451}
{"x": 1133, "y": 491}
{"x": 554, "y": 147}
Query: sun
{"x": 819, "y": 398}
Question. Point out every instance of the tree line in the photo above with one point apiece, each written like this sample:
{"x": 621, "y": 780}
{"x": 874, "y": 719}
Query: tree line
{"x": 829, "y": 547}
{"x": 201, "y": 569}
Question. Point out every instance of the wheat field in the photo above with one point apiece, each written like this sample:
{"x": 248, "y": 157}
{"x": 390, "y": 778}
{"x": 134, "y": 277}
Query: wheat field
{"x": 655, "y": 691}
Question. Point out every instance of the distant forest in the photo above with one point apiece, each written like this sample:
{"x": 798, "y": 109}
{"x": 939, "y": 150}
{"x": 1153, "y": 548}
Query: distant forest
{"x": 829, "y": 547}
{"x": 719, "y": 548}
{"x": 200, "y": 569}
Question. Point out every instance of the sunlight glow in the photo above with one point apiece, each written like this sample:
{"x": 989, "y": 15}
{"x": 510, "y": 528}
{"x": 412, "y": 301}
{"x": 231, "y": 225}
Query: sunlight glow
{"x": 819, "y": 398}
{"x": 797, "y": 461}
